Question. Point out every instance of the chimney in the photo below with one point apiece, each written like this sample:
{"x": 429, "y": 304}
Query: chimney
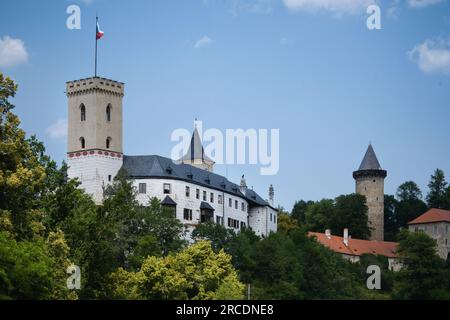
{"x": 243, "y": 185}
{"x": 271, "y": 195}
{"x": 345, "y": 237}
{"x": 328, "y": 233}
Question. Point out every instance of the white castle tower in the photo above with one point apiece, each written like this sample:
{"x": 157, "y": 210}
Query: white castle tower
{"x": 94, "y": 140}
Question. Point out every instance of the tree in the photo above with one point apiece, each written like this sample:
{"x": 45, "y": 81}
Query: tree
{"x": 350, "y": 211}
{"x": 424, "y": 274}
{"x": 299, "y": 211}
{"x": 218, "y": 235}
{"x": 196, "y": 272}
{"x": 436, "y": 197}
{"x": 318, "y": 215}
{"x": 391, "y": 224}
{"x": 286, "y": 222}
{"x": 409, "y": 191}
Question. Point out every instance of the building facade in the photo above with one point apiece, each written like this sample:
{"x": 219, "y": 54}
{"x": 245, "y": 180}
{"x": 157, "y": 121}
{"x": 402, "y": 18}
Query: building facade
{"x": 352, "y": 249}
{"x": 369, "y": 180}
{"x": 188, "y": 185}
{"x": 436, "y": 224}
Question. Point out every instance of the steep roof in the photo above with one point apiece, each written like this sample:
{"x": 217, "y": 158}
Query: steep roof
{"x": 356, "y": 247}
{"x": 195, "y": 150}
{"x": 432, "y": 215}
{"x": 168, "y": 201}
{"x": 370, "y": 161}
{"x": 154, "y": 166}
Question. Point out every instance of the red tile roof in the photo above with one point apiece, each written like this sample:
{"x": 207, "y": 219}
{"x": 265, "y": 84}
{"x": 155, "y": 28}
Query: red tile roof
{"x": 356, "y": 247}
{"x": 432, "y": 215}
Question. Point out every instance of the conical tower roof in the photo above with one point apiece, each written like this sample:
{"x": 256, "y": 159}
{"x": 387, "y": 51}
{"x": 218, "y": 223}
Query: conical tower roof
{"x": 195, "y": 151}
{"x": 370, "y": 166}
{"x": 370, "y": 161}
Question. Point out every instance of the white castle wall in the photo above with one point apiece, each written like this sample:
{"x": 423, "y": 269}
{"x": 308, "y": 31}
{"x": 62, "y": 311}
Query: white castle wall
{"x": 92, "y": 170}
{"x": 263, "y": 220}
{"x": 256, "y": 219}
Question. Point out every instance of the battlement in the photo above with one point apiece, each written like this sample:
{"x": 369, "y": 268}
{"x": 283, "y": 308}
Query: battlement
{"x": 94, "y": 84}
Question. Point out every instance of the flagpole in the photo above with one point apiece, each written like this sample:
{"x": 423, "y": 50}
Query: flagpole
{"x": 96, "y": 40}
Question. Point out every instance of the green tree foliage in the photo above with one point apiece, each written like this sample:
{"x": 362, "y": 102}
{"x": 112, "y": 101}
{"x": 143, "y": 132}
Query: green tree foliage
{"x": 196, "y": 272}
{"x": 286, "y": 222}
{"x": 346, "y": 211}
{"x": 437, "y": 195}
{"x": 299, "y": 211}
{"x": 318, "y": 215}
{"x": 391, "y": 224}
{"x": 424, "y": 274}
{"x": 350, "y": 211}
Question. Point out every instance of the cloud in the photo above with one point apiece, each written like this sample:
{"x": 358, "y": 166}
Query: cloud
{"x": 432, "y": 56}
{"x": 252, "y": 6}
{"x": 422, "y": 3}
{"x": 337, "y": 7}
{"x": 12, "y": 52}
{"x": 203, "y": 42}
{"x": 58, "y": 130}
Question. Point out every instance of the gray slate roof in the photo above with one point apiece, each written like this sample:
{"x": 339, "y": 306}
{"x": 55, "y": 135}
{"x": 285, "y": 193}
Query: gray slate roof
{"x": 154, "y": 166}
{"x": 370, "y": 161}
{"x": 195, "y": 150}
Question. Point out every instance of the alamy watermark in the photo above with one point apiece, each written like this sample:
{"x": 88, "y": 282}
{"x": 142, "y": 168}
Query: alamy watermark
{"x": 234, "y": 146}
{"x": 374, "y": 280}
{"x": 74, "y": 280}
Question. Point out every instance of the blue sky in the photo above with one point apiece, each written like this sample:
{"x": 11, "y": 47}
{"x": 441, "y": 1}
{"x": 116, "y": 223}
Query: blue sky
{"x": 310, "y": 68}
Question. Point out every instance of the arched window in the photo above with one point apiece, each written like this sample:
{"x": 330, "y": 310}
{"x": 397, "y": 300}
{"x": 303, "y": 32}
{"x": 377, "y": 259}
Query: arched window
{"x": 82, "y": 143}
{"x": 108, "y": 143}
{"x": 108, "y": 113}
{"x": 83, "y": 112}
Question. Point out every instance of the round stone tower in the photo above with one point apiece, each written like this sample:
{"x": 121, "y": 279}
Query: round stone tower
{"x": 370, "y": 183}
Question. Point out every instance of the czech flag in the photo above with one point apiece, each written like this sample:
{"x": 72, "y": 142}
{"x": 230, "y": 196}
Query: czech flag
{"x": 99, "y": 32}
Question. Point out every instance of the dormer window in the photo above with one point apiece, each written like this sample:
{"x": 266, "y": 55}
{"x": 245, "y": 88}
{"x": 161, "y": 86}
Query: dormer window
{"x": 108, "y": 113}
{"x": 169, "y": 169}
{"x": 82, "y": 112}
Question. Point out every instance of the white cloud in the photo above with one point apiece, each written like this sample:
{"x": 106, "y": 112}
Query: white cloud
{"x": 203, "y": 42}
{"x": 58, "y": 130}
{"x": 337, "y": 7}
{"x": 252, "y": 6}
{"x": 432, "y": 56}
{"x": 422, "y": 3}
{"x": 12, "y": 52}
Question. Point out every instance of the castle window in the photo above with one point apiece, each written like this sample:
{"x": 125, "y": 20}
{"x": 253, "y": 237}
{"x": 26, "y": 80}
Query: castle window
{"x": 109, "y": 178}
{"x": 142, "y": 188}
{"x": 108, "y": 143}
{"x": 82, "y": 143}
{"x": 235, "y": 204}
{"x": 274, "y": 218}
{"x": 188, "y": 191}
{"x": 83, "y": 112}
{"x": 230, "y": 202}
{"x": 197, "y": 193}
{"x": 243, "y": 225}
{"x": 219, "y": 220}
{"x": 166, "y": 188}
{"x": 187, "y": 214}
{"x": 211, "y": 197}
{"x": 270, "y": 217}
{"x": 204, "y": 195}
{"x": 219, "y": 199}
{"x": 108, "y": 113}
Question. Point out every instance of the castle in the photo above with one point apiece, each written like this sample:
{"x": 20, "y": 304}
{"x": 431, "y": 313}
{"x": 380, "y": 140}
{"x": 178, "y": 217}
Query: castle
{"x": 188, "y": 186}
